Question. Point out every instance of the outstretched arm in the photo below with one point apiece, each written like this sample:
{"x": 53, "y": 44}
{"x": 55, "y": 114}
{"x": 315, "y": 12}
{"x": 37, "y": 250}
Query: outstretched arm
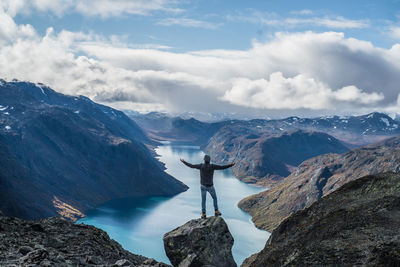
{"x": 222, "y": 167}
{"x": 194, "y": 166}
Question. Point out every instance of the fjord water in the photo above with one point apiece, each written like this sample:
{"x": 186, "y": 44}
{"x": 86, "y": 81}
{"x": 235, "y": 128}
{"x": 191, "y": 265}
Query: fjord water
{"x": 139, "y": 224}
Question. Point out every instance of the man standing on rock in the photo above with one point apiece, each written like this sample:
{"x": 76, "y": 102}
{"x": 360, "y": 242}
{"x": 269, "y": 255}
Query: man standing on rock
{"x": 206, "y": 181}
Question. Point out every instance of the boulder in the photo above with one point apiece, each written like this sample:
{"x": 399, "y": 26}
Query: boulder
{"x": 200, "y": 242}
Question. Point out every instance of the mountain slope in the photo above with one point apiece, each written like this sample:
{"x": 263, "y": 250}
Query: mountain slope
{"x": 318, "y": 177}
{"x": 357, "y": 225}
{"x": 265, "y": 158}
{"x": 63, "y": 155}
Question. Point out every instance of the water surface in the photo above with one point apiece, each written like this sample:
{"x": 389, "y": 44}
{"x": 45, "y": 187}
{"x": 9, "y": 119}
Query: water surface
{"x": 139, "y": 224}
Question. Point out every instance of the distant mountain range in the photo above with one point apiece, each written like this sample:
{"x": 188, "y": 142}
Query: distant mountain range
{"x": 355, "y": 130}
{"x": 268, "y": 150}
{"x": 62, "y": 155}
{"x": 318, "y": 177}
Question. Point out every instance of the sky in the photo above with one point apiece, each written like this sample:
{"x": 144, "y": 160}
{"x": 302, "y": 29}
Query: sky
{"x": 257, "y": 58}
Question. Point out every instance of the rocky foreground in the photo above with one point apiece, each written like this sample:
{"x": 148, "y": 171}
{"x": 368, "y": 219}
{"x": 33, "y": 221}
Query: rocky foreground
{"x": 56, "y": 242}
{"x": 357, "y": 225}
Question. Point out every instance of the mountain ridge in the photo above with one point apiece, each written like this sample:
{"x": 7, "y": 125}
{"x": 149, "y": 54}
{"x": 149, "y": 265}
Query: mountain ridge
{"x": 318, "y": 177}
{"x": 61, "y": 146}
{"x": 266, "y": 159}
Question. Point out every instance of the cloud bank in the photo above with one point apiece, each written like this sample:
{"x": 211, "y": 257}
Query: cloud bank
{"x": 293, "y": 73}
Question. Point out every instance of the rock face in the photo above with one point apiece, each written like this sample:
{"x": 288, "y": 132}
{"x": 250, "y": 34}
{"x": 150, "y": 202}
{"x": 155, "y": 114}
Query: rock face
{"x": 200, "y": 242}
{"x": 62, "y": 155}
{"x": 56, "y": 242}
{"x": 357, "y": 225}
{"x": 266, "y": 158}
{"x": 318, "y": 177}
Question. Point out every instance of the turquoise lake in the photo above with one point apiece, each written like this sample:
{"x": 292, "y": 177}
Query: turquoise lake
{"x": 139, "y": 224}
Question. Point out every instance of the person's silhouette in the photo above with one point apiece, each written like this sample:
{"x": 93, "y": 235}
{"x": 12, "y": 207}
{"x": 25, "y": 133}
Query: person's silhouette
{"x": 206, "y": 181}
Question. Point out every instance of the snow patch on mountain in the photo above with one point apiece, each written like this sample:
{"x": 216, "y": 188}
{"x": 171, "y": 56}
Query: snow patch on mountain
{"x": 386, "y": 121}
{"x": 41, "y": 88}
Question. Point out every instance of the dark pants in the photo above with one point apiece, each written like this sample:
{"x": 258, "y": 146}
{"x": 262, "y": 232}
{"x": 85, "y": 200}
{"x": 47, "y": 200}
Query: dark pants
{"x": 211, "y": 190}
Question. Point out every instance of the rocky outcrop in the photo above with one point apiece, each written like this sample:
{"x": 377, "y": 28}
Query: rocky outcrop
{"x": 357, "y": 225}
{"x": 56, "y": 242}
{"x": 62, "y": 155}
{"x": 318, "y": 177}
{"x": 266, "y": 158}
{"x": 200, "y": 242}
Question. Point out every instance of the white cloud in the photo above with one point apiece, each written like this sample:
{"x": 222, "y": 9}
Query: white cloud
{"x": 267, "y": 19}
{"x": 303, "y": 12}
{"x": 10, "y": 31}
{"x": 298, "y": 72}
{"x": 102, "y": 8}
{"x": 185, "y": 22}
{"x": 109, "y": 8}
{"x": 293, "y": 93}
{"x": 353, "y": 94}
{"x": 336, "y": 22}
{"x": 394, "y": 32}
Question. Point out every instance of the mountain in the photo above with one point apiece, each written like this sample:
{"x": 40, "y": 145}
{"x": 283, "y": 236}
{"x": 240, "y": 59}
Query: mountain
{"x": 318, "y": 177}
{"x": 353, "y": 130}
{"x": 266, "y": 158}
{"x": 258, "y": 146}
{"x": 56, "y": 242}
{"x": 357, "y": 225}
{"x": 62, "y": 155}
{"x": 162, "y": 127}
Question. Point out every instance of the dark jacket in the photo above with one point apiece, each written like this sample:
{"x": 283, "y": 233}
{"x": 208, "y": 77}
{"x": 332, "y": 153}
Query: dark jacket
{"x": 207, "y": 171}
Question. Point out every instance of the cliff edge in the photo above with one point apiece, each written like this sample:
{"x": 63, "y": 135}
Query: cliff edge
{"x": 357, "y": 225}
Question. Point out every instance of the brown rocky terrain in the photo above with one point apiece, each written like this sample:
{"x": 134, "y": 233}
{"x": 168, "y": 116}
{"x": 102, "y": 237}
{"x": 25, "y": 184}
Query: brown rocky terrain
{"x": 318, "y": 177}
{"x": 56, "y": 242}
{"x": 357, "y": 225}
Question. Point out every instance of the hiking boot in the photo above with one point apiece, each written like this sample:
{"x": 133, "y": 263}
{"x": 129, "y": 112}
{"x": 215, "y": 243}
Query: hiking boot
{"x": 217, "y": 213}
{"x": 203, "y": 215}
